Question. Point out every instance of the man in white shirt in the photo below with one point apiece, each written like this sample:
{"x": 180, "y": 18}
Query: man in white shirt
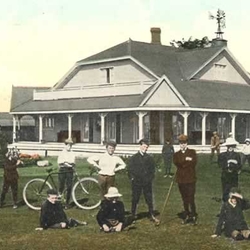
{"x": 108, "y": 164}
{"x": 246, "y": 152}
{"x": 66, "y": 162}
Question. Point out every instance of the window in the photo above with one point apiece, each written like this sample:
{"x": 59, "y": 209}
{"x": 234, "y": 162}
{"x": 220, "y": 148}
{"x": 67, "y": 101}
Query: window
{"x": 220, "y": 71}
{"x": 49, "y": 122}
{"x": 107, "y": 74}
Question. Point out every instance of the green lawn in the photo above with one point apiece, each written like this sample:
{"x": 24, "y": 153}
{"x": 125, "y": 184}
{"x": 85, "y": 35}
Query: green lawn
{"x": 17, "y": 227}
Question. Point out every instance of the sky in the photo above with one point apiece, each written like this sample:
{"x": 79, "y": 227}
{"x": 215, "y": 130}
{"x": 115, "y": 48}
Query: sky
{"x": 40, "y": 40}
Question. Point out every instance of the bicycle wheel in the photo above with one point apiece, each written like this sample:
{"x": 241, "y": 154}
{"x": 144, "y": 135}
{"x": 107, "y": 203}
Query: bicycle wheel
{"x": 33, "y": 193}
{"x": 86, "y": 193}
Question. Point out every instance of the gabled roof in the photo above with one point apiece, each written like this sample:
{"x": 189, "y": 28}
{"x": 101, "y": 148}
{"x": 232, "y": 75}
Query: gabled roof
{"x": 175, "y": 63}
{"x": 178, "y": 65}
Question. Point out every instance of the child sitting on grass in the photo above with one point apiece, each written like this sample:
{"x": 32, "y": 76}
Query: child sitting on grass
{"x": 111, "y": 215}
{"x": 53, "y": 216}
{"x": 10, "y": 177}
{"x": 231, "y": 219}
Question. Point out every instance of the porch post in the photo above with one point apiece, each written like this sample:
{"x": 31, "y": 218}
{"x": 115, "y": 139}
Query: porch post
{"x": 102, "y": 115}
{"x": 185, "y": 116}
{"x": 140, "y": 117}
{"x": 40, "y": 128}
{"x": 14, "y": 129}
{"x": 70, "y": 116}
{"x": 203, "y": 138}
{"x": 233, "y": 117}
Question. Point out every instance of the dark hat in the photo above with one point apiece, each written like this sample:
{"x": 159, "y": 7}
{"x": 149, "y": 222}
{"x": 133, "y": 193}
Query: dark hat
{"x": 111, "y": 143}
{"x": 52, "y": 192}
{"x": 144, "y": 141}
{"x": 183, "y": 138}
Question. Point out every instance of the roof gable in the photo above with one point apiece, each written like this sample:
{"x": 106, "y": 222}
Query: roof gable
{"x": 193, "y": 60}
{"x": 222, "y": 67}
{"x": 164, "y": 94}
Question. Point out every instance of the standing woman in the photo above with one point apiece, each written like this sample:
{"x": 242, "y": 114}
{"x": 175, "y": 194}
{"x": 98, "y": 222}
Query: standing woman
{"x": 230, "y": 164}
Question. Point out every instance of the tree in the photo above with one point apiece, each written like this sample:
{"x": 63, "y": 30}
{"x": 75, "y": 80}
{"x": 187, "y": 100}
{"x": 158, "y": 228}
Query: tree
{"x": 192, "y": 44}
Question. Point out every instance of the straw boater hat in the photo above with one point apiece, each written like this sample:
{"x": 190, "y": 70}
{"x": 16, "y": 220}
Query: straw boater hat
{"x": 112, "y": 192}
{"x": 247, "y": 140}
{"x": 230, "y": 142}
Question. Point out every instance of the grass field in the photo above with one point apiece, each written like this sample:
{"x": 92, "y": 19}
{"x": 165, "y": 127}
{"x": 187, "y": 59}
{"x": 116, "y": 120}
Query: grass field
{"x": 17, "y": 227}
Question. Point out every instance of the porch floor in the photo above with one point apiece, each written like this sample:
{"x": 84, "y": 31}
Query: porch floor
{"x": 86, "y": 149}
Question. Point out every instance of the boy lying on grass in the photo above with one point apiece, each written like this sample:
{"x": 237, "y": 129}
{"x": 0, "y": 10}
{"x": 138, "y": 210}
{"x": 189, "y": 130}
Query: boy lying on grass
{"x": 231, "y": 219}
{"x": 53, "y": 216}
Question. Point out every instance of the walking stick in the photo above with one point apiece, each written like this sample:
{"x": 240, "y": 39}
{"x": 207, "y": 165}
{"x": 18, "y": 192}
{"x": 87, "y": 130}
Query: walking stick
{"x": 166, "y": 200}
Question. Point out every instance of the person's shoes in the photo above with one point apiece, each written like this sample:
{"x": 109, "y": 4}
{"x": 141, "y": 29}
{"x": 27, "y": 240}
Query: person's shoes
{"x": 165, "y": 176}
{"x": 133, "y": 219}
{"x": 14, "y": 206}
{"x": 154, "y": 219}
{"x": 82, "y": 223}
{"x": 194, "y": 220}
{"x": 185, "y": 220}
{"x": 239, "y": 237}
{"x": 170, "y": 176}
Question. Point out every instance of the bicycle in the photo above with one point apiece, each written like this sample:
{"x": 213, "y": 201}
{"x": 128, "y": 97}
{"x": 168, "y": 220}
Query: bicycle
{"x": 85, "y": 192}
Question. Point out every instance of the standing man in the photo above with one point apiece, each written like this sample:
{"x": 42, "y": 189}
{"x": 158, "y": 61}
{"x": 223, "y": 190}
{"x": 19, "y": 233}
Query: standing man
{"x": 66, "y": 163}
{"x": 10, "y": 177}
{"x": 215, "y": 145}
{"x": 230, "y": 163}
{"x": 246, "y": 152}
{"x": 107, "y": 164}
{"x": 185, "y": 160}
{"x": 141, "y": 172}
{"x": 167, "y": 154}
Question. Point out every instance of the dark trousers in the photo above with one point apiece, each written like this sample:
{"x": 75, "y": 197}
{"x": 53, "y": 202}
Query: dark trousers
{"x": 228, "y": 181}
{"x": 187, "y": 191}
{"x": 137, "y": 189}
{"x": 168, "y": 165}
{"x": 105, "y": 182}
{"x": 14, "y": 188}
{"x": 65, "y": 176}
{"x": 213, "y": 151}
{"x": 244, "y": 159}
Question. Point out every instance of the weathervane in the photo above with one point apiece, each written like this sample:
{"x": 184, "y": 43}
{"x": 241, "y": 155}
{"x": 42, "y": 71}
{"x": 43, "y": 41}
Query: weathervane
{"x": 221, "y": 21}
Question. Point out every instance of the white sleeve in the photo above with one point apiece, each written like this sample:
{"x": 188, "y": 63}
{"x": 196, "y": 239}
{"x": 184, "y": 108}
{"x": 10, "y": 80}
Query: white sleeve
{"x": 93, "y": 159}
{"x": 120, "y": 164}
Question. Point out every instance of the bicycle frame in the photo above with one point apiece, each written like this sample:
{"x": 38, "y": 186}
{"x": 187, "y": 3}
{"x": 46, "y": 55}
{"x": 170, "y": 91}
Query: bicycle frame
{"x": 50, "y": 178}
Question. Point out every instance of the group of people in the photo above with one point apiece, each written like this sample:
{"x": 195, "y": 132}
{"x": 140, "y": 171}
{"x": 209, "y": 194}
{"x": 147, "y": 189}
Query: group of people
{"x": 231, "y": 218}
{"x": 141, "y": 173}
{"x": 215, "y": 147}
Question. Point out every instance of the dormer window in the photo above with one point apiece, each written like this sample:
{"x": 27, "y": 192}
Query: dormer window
{"x": 107, "y": 71}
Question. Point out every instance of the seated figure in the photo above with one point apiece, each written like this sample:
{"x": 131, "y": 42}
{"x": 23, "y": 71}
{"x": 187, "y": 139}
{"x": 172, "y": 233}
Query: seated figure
{"x": 111, "y": 215}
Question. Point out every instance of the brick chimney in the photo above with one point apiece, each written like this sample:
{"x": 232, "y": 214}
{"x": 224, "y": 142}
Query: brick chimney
{"x": 155, "y": 35}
